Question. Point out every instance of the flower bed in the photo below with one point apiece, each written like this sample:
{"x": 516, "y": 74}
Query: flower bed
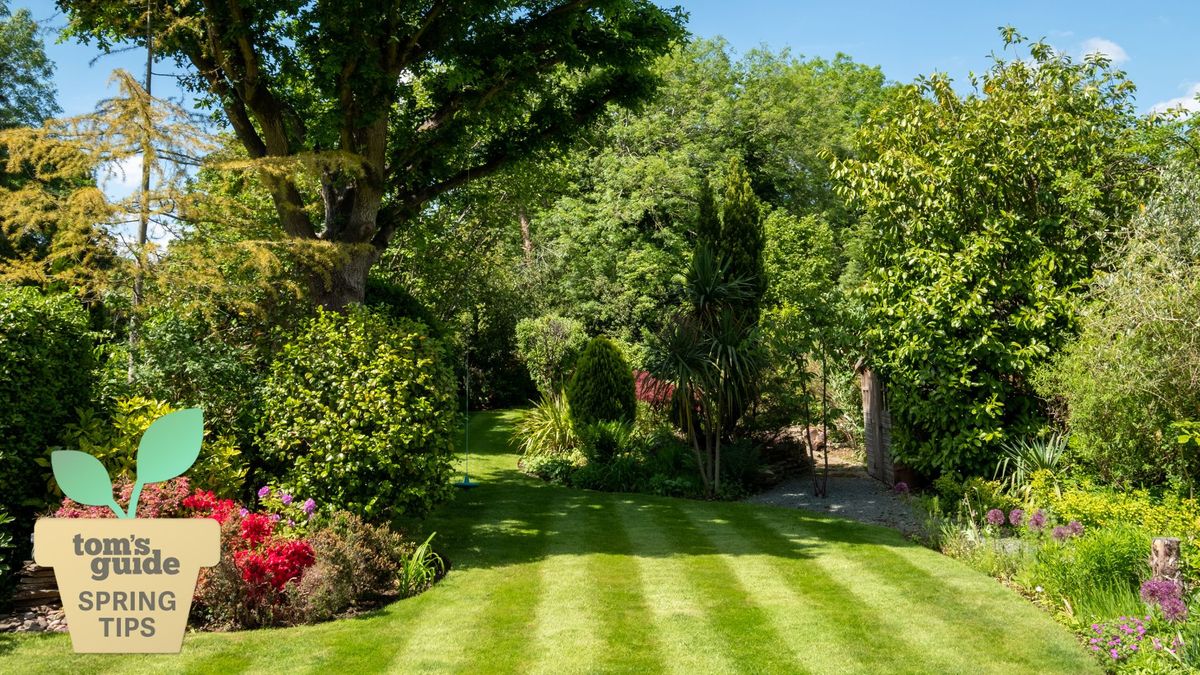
{"x": 281, "y": 562}
{"x": 1081, "y": 553}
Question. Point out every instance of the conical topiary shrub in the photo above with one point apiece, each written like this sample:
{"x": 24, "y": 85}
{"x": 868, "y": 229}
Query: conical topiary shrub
{"x": 602, "y": 388}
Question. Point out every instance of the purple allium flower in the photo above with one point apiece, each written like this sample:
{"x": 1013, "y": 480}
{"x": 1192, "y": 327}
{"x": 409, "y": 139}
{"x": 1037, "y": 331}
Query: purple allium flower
{"x": 1075, "y": 526}
{"x": 1061, "y": 533}
{"x": 1155, "y": 591}
{"x": 264, "y": 492}
{"x": 309, "y": 506}
{"x": 243, "y": 512}
{"x": 1037, "y": 521}
{"x": 901, "y": 488}
{"x": 285, "y": 498}
{"x": 995, "y": 517}
{"x": 1174, "y": 609}
{"x": 1016, "y": 517}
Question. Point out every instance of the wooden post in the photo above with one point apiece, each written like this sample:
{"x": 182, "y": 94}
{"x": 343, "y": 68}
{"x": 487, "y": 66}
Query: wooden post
{"x": 1164, "y": 559}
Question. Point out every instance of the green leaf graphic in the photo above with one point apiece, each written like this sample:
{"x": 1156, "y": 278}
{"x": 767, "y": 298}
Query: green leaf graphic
{"x": 170, "y": 446}
{"x": 82, "y": 477}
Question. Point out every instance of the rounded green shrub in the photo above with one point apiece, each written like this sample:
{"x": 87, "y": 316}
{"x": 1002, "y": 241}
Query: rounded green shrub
{"x": 360, "y": 414}
{"x": 549, "y": 346}
{"x": 602, "y": 388}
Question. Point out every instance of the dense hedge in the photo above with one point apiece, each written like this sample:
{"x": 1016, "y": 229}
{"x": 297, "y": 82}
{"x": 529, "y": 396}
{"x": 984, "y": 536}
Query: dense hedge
{"x": 359, "y": 415}
{"x": 602, "y": 388}
{"x": 46, "y": 357}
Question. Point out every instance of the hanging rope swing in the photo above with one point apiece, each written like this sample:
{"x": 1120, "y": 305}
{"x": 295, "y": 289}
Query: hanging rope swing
{"x": 466, "y": 483}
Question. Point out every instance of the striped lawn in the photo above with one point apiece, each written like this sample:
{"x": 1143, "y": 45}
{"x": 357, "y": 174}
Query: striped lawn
{"x": 552, "y": 580}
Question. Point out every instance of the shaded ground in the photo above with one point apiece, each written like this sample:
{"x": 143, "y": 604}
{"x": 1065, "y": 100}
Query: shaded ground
{"x": 852, "y": 494}
{"x": 548, "y": 579}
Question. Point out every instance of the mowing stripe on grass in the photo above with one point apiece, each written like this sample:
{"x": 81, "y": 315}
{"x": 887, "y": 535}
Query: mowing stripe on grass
{"x": 963, "y": 592}
{"x": 591, "y": 615}
{"x": 806, "y": 606}
{"x": 500, "y": 599}
{"x": 504, "y": 625}
{"x": 703, "y": 615}
{"x": 895, "y": 593}
{"x": 617, "y": 584}
{"x": 878, "y": 634}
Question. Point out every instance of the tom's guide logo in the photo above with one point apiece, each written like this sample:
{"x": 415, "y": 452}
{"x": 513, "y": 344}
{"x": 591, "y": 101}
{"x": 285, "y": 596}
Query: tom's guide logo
{"x": 127, "y": 583}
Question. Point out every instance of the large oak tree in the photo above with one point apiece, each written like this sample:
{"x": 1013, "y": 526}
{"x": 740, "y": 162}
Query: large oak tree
{"x": 393, "y": 102}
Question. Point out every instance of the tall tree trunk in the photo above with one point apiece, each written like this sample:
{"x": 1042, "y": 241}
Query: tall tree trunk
{"x": 346, "y": 283}
{"x": 526, "y": 239}
{"x": 139, "y": 265}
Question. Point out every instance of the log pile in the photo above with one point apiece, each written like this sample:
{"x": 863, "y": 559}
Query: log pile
{"x": 36, "y": 586}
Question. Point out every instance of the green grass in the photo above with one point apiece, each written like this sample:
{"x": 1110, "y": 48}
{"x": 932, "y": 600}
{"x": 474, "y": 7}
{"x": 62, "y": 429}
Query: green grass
{"x": 552, "y": 580}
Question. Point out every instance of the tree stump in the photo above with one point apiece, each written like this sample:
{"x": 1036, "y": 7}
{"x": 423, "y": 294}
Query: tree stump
{"x": 1164, "y": 559}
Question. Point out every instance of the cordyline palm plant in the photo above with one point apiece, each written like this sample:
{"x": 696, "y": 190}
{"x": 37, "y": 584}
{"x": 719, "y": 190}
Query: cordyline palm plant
{"x": 709, "y": 353}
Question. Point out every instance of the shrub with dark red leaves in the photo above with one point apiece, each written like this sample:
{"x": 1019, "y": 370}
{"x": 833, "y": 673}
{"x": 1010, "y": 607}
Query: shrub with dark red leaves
{"x": 652, "y": 390}
{"x": 159, "y": 500}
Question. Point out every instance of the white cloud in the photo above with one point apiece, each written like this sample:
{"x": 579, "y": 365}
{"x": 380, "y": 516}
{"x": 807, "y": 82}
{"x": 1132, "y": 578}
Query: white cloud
{"x": 1098, "y": 45}
{"x": 122, "y": 178}
{"x": 1187, "y": 101}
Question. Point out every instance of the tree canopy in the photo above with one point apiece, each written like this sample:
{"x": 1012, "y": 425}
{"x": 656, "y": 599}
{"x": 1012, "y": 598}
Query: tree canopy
{"x": 27, "y": 92}
{"x": 393, "y": 104}
{"x": 985, "y": 215}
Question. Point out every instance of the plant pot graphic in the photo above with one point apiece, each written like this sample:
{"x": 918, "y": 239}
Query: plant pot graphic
{"x": 127, "y": 584}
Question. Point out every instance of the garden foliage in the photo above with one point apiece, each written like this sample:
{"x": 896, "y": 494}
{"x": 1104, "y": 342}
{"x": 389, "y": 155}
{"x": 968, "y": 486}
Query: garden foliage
{"x": 1135, "y": 368}
{"x": 359, "y": 415}
{"x": 985, "y": 223}
{"x": 48, "y": 366}
{"x": 549, "y": 346}
{"x": 602, "y": 388}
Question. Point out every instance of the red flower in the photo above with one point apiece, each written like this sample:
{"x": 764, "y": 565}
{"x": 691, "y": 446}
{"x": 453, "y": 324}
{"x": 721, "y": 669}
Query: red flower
{"x": 256, "y": 528}
{"x": 253, "y": 567}
{"x": 287, "y": 560}
{"x": 206, "y": 504}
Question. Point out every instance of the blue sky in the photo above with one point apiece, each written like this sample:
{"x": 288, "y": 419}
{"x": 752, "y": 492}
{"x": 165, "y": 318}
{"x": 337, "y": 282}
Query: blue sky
{"x": 1154, "y": 41}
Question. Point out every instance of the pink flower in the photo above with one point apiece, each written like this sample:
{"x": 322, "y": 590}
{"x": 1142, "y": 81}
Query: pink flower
{"x": 1037, "y": 521}
{"x": 1016, "y": 517}
{"x": 995, "y": 517}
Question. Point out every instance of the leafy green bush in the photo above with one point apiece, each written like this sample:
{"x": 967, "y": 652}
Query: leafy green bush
{"x": 48, "y": 371}
{"x": 549, "y": 346}
{"x": 221, "y": 468}
{"x": 1166, "y": 514}
{"x": 183, "y": 359}
{"x": 602, "y": 388}
{"x": 1135, "y": 367}
{"x": 600, "y": 442}
{"x": 360, "y": 413}
{"x": 6, "y": 543}
{"x": 355, "y": 561}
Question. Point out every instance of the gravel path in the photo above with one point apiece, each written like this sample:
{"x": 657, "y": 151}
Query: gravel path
{"x": 852, "y": 494}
